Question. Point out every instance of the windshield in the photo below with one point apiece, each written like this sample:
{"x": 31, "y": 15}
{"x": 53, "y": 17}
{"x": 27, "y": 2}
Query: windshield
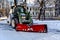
{"x": 20, "y": 9}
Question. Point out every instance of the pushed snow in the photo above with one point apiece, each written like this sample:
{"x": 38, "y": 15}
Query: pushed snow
{"x": 51, "y": 24}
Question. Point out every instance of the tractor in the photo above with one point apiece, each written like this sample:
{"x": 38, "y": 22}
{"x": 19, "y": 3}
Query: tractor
{"x": 20, "y": 19}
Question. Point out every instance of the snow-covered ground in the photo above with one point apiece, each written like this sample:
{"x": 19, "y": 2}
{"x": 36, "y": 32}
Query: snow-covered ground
{"x": 51, "y": 24}
{"x": 7, "y": 33}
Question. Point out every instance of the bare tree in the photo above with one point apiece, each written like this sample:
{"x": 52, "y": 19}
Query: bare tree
{"x": 42, "y": 9}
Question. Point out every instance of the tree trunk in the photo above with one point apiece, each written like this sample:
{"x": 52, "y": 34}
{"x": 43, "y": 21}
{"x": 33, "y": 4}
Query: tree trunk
{"x": 42, "y": 11}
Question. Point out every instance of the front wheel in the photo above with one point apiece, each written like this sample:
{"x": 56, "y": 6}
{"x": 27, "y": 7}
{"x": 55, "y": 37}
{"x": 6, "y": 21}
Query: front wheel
{"x": 13, "y": 23}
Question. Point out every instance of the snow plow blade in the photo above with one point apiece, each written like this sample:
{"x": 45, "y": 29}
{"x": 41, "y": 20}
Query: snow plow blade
{"x": 42, "y": 28}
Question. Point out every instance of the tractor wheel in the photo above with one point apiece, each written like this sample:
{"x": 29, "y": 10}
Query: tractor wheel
{"x": 13, "y": 23}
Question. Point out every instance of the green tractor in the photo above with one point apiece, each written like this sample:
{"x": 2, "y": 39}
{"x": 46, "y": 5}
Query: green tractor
{"x": 19, "y": 15}
{"x": 20, "y": 19}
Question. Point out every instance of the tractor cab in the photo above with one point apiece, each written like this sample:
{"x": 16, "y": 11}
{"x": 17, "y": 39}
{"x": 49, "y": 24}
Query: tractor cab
{"x": 22, "y": 15}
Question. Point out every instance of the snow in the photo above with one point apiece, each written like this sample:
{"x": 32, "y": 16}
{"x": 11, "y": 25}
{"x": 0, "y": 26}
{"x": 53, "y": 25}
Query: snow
{"x": 7, "y": 33}
{"x": 3, "y": 18}
{"x": 51, "y": 24}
